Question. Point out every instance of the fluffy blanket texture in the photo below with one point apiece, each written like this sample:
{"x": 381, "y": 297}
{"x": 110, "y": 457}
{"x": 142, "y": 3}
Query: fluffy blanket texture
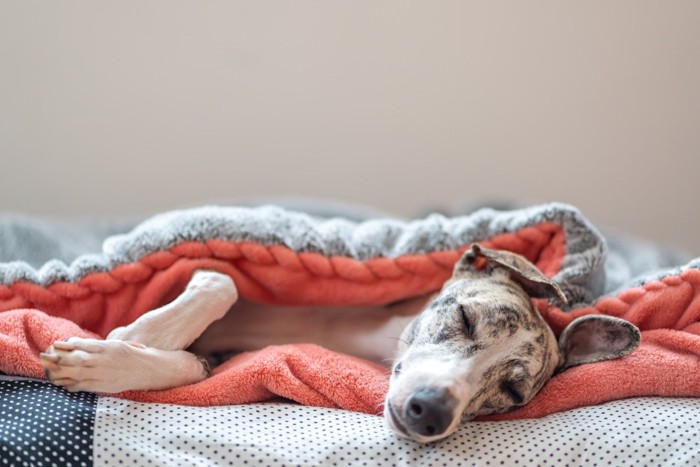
{"x": 282, "y": 256}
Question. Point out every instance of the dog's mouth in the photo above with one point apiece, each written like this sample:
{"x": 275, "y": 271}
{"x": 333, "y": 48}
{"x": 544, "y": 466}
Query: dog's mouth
{"x": 394, "y": 421}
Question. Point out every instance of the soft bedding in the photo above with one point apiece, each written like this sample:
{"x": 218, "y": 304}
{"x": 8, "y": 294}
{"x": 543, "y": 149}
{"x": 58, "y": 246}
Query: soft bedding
{"x": 54, "y": 284}
{"x": 84, "y": 429}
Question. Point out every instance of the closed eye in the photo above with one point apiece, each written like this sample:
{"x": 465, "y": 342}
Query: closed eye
{"x": 508, "y": 389}
{"x": 468, "y": 328}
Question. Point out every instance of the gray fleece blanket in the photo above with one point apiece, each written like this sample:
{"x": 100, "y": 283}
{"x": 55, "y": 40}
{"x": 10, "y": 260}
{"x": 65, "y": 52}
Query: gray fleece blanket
{"x": 44, "y": 251}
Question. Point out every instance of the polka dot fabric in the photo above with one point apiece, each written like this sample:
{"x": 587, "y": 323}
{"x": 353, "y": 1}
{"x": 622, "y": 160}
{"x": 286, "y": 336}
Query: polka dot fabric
{"x": 634, "y": 432}
{"x": 43, "y": 425}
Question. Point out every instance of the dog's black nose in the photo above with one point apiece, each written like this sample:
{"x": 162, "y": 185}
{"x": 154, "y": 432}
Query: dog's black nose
{"x": 429, "y": 411}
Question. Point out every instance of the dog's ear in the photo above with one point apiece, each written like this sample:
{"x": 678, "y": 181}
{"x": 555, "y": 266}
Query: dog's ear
{"x": 596, "y": 338}
{"x": 531, "y": 279}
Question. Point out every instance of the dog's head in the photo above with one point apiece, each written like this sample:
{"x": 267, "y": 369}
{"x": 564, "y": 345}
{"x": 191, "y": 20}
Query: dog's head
{"x": 480, "y": 347}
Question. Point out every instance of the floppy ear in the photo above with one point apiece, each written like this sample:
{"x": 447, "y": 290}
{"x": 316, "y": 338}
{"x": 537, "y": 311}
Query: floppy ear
{"x": 596, "y": 338}
{"x": 520, "y": 269}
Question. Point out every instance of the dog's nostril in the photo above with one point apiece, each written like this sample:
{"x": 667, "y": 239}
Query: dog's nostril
{"x": 416, "y": 410}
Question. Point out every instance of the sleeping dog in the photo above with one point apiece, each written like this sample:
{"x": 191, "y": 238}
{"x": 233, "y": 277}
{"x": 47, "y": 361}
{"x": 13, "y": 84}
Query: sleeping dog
{"x": 477, "y": 347}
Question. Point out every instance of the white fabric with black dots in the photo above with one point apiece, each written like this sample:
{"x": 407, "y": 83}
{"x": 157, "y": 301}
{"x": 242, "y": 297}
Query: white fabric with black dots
{"x": 44, "y": 425}
{"x": 634, "y": 432}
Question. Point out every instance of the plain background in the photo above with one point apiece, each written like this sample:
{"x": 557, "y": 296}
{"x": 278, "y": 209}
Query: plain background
{"x": 128, "y": 108}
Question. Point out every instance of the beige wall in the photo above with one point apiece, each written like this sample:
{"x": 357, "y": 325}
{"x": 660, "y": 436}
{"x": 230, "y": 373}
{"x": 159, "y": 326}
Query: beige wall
{"x": 120, "y": 108}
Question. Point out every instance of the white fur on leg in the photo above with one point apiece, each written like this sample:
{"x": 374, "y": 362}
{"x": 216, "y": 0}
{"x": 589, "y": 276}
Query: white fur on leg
{"x": 148, "y": 353}
{"x": 207, "y": 298}
{"x": 113, "y": 366}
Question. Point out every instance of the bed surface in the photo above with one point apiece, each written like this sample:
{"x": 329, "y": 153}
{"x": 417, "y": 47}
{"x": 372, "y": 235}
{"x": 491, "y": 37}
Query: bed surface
{"x": 83, "y": 429}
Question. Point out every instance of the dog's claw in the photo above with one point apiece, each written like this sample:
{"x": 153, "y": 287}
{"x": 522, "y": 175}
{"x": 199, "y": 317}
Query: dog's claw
{"x": 49, "y": 357}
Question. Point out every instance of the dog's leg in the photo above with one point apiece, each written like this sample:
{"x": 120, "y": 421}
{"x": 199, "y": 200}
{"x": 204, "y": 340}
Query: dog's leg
{"x": 147, "y": 354}
{"x": 207, "y": 298}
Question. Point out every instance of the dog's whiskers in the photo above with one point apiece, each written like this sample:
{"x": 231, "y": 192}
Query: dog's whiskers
{"x": 394, "y": 338}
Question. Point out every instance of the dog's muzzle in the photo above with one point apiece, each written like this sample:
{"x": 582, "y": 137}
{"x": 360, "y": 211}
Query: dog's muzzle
{"x": 426, "y": 413}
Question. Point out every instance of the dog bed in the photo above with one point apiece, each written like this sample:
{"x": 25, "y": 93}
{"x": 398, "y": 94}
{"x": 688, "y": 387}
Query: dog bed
{"x": 53, "y": 286}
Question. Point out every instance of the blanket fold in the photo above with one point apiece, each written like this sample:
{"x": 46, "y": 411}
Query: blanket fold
{"x": 281, "y": 256}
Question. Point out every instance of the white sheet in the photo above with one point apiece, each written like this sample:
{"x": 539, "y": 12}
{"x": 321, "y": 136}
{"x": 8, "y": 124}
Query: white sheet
{"x": 644, "y": 431}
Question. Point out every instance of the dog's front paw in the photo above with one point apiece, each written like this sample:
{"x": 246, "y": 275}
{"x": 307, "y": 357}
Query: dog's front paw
{"x": 111, "y": 366}
{"x": 78, "y": 364}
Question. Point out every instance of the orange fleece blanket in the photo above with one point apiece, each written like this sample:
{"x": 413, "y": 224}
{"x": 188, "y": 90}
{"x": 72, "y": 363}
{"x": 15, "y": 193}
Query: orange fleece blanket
{"x": 35, "y": 311}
